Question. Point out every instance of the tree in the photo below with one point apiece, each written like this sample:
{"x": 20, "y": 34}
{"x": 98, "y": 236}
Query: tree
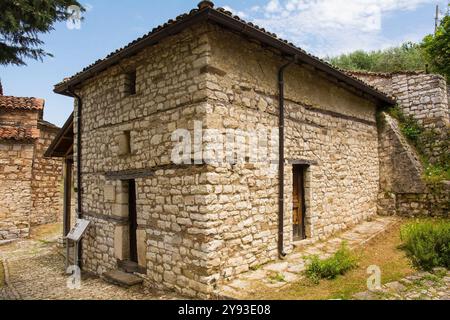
{"x": 21, "y": 23}
{"x": 437, "y": 48}
{"x": 408, "y": 56}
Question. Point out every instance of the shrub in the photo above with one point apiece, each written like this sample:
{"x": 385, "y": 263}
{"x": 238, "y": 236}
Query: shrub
{"x": 338, "y": 264}
{"x": 427, "y": 243}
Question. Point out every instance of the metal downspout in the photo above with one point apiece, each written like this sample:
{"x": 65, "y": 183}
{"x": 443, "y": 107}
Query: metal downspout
{"x": 79, "y": 181}
{"x": 281, "y": 160}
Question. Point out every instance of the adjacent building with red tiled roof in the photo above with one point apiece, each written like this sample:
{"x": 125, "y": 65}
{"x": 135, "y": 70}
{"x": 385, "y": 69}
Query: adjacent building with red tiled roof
{"x": 30, "y": 184}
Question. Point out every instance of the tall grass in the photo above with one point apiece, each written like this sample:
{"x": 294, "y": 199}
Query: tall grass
{"x": 427, "y": 243}
{"x": 338, "y": 264}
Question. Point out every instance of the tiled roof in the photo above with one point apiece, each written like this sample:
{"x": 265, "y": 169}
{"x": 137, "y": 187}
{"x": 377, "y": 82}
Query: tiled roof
{"x": 207, "y": 11}
{"x": 20, "y": 103}
{"x": 18, "y": 133}
{"x": 383, "y": 74}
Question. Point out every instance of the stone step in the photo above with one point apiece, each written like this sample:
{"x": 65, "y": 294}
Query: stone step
{"x": 128, "y": 266}
{"x": 122, "y": 279}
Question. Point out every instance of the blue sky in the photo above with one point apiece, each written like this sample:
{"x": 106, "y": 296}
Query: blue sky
{"x": 322, "y": 27}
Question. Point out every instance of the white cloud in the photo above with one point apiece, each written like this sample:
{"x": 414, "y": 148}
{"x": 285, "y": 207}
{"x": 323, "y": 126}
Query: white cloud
{"x": 273, "y": 6}
{"x": 235, "y": 12}
{"x": 330, "y": 27}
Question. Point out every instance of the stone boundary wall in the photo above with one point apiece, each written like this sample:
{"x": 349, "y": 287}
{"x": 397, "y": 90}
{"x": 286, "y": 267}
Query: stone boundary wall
{"x": 402, "y": 189}
{"x": 423, "y": 96}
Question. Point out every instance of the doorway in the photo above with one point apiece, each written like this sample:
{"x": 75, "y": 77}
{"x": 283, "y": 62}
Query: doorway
{"x": 132, "y": 220}
{"x": 298, "y": 202}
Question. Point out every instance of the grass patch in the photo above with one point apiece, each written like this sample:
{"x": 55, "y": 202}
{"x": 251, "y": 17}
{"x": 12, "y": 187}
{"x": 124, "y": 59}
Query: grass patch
{"x": 427, "y": 243}
{"x": 383, "y": 251}
{"x": 256, "y": 267}
{"x": 277, "y": 277}
{"x": 338, "y": 264}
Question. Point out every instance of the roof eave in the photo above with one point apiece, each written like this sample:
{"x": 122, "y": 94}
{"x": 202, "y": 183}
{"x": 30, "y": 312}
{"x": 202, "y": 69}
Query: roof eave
{"x": 50, "y": 152}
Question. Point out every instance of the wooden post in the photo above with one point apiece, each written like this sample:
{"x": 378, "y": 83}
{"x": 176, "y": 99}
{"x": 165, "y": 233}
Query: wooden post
{"x": 67, "y": 196}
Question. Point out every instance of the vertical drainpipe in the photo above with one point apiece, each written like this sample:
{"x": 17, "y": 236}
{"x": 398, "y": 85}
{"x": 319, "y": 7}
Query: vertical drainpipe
{"x": 281, "y": 160}
{"x": 79, "y": 182}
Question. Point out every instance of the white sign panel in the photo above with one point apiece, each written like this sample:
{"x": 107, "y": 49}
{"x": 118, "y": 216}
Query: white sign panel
{"x": 78, "y": 230}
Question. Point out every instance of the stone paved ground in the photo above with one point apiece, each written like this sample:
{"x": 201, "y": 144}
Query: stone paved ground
{"x": 421, "y": 286}
{"x": 280, "y": 274}
{"x": 34, "y": 270}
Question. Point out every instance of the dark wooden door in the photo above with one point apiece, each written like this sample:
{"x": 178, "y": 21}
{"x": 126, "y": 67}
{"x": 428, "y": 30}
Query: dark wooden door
{"x": 298, "y": 202}
{"x": 133, "y": 220}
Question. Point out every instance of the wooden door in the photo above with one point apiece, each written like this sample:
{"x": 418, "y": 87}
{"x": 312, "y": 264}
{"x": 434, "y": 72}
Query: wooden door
{"x": 133, "y": 220}
{"x": 298, "y": 202}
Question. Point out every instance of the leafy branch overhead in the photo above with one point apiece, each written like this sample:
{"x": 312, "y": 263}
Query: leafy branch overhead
{"x": 23, "y": 21}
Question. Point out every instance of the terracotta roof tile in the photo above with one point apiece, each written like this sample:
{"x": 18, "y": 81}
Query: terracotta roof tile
{"x": 18, "y": 133}
{"x": 384, "y": 74}
{"x": 10, "y": 102}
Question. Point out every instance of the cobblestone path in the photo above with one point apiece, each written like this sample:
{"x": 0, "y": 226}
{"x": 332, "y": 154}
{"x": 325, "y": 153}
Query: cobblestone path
{"x": 421, "y": 286}
{"x": 34, "y": 270}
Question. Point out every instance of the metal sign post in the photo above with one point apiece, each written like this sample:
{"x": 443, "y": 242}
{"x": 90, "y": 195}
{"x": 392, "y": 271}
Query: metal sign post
{"x": 75, "y": 235}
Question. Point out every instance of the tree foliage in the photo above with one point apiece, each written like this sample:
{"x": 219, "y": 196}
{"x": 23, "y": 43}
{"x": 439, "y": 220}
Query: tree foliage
{"x": 21, "y": 23}
{"x": 409, "y": 56}
{"x": 437, "y": 48}
{"x": 432, "y": 54}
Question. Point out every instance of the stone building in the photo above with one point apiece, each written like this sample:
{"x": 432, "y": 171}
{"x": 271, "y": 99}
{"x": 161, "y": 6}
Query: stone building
{"x": 190, "y": 225}
{"x": 30, "y": 184}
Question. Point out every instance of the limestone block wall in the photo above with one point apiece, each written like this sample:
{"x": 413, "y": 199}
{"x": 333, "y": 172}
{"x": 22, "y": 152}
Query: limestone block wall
{"x": 170, "y": 94}
{"x": 423, "y": 96}
{"x": 402, "y": 189}
{"x": 46, "y": 184}
{"x": 327, "y": 126}
{"x": 15, "y": 189}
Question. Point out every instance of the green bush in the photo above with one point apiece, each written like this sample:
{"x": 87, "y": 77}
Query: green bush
{"x": 427, "y": 243}
{"x": 338, "y": 264}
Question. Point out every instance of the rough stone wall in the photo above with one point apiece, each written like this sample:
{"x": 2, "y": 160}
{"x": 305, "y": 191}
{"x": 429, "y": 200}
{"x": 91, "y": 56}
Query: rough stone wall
{"x": 170, "y": 94}
{"x": 15, "y": 189}
{"x": 47, "y": 188}
{"x": 448, "y": 97}
{"x": 327, "y": 126}
{"x": 16, "y": 158}
{"x": 423, "y": 96}
{"x": 30, "y": 188}
{"x": 402, "y": 189}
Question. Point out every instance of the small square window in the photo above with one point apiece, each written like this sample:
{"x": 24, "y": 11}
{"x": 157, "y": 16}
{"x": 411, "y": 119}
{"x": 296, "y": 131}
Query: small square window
{"x": 130, "y": 83}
